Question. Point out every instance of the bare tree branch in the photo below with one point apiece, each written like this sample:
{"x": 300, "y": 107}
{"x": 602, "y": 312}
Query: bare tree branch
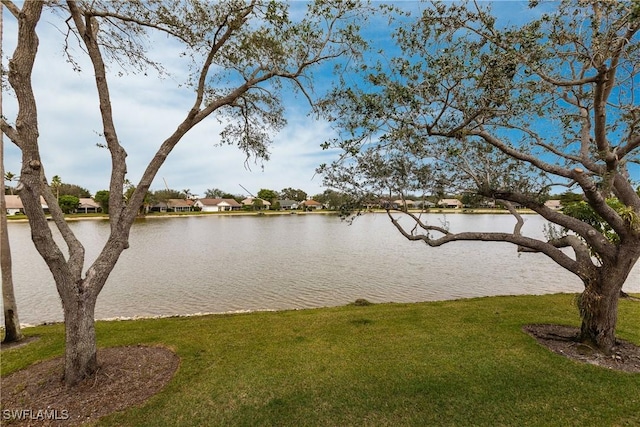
{"x": 448, "y": 237}
{"x": 11, "y": 133}
{"x": 11, "y": 7}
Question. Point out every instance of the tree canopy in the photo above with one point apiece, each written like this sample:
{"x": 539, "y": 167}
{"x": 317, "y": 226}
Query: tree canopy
{"x": 102, "y": 198}
{"x": 508, "y": 112}
{"x": 268, "y": 195}
{"x": 241, "y": 55}
{"x": 73, "y": 190}
{"x": 293, "y": 194}
{"x": 166, "y": 194}
{"x": 68, "y": 203}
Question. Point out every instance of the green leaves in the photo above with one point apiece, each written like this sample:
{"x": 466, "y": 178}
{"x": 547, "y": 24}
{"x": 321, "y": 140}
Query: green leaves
{"x": 509, "y": 108}
{"x": 68, "y": 204}
{"x": 584, "y": 212}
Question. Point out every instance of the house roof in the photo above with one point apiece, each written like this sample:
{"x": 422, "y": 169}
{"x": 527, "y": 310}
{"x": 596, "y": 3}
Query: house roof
{"x": 176, "y": 203}
{"x": 450, "y": 202}
{"x": 86, "y": 202}
{"x": 553, "y": 204}
{"x": 249, "y": 201}
{"x": 287, "y": 202}
{"x": 311, "y": 202}
{"x": 216, "y": 202}
{"x": 14, "y": 202}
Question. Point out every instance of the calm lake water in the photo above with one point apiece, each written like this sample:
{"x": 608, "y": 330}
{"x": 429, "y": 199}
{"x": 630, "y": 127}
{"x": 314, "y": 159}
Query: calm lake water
{"x": 216, "y": 263}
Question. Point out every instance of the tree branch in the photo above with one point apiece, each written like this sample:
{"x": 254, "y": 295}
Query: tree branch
{"x": 599, "y": 203}
{"x": 76, "y": 249}
{"x": 231, "y": 28}
{"x": 583, "y": 255}
{"x": 11, "y": 7}
{"x": 11, "y": 133}
{"x": 89, "y": 34}
{"x": 526, "y": 242}
{"x": 129, "y": 19}
{"x": 519, "y": 155}
{"x": 632, "y": 143}
{"x": 592, "y": 236}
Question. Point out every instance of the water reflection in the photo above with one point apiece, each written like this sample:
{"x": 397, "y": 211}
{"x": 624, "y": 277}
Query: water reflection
{"x": 203, "y": 264}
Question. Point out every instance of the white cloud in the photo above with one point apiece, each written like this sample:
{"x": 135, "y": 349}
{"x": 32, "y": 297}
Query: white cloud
{"x": 199, "y": 164}
{"x": 147, "y": 110}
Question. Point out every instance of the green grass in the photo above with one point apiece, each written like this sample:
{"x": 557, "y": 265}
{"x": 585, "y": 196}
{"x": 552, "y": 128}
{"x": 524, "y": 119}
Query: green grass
{"x": 461, "y": 363}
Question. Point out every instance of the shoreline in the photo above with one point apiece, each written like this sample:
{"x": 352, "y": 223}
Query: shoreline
{"x": 263, "y": 310}
{"x": 631, "y": 296}
{"x": 105, "y": 217}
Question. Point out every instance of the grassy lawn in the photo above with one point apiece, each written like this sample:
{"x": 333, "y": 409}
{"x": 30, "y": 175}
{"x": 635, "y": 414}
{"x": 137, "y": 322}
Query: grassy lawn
{"x": 459, "y": 363}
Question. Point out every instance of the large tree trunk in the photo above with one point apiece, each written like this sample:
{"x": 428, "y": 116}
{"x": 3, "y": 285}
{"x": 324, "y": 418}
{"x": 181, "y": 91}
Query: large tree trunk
{"x": 12, "y": 331}
{"x": 598, "y": 306}
{"x": 80, "y": 350}
{"x": 79, "y": 300}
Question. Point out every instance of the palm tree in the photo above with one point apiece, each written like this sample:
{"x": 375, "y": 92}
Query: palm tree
{"x": 56, "y": 182}
{"x": 10, "y": 177}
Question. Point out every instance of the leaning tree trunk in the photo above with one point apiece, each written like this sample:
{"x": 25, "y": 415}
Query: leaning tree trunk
{"x": 12, "y": 330}
{"x": 598, "y": 306}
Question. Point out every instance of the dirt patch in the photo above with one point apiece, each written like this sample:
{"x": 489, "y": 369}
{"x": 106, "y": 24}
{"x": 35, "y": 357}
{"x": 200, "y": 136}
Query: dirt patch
{"x": 17, "y": 344}
{"x": 562, "y": 340}
{"x": 36, "y": 396}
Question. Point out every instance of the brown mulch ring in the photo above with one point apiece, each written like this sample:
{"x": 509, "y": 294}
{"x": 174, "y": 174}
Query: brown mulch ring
{"x": 36, "y": 396}
{"x": 561, "y": 340}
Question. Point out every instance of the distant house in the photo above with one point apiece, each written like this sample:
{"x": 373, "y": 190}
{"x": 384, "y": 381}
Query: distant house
{"x": 288, "y": 204}
{"x": 487, "y": 204}
{"x": 553, "y": 204}
{"x": 400, "y": 204}
{"x": 173, "y": 205}
{"x": 311, "y": 204}
{"x": 217, "y": 205}
{"x": 450, "y": 203}
{"x": 387, "y": 204}
{"x": 251, "y": 201}
{"x": 425, "y": 204}
{"x": 15, "y": 206}
{"x": 159, "y": 207}
{"x": 179, "y": 205}
{"x": 410, "y": 204}
{"x": 88, "y": 205}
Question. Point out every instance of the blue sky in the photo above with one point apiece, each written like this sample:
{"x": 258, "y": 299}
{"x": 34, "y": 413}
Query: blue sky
{"x": 148, "y": 109}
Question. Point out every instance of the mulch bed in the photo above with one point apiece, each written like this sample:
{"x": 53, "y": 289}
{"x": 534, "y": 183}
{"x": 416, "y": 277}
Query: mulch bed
{"x": 561, "y": 340}
{"x": 127, "y": 377}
